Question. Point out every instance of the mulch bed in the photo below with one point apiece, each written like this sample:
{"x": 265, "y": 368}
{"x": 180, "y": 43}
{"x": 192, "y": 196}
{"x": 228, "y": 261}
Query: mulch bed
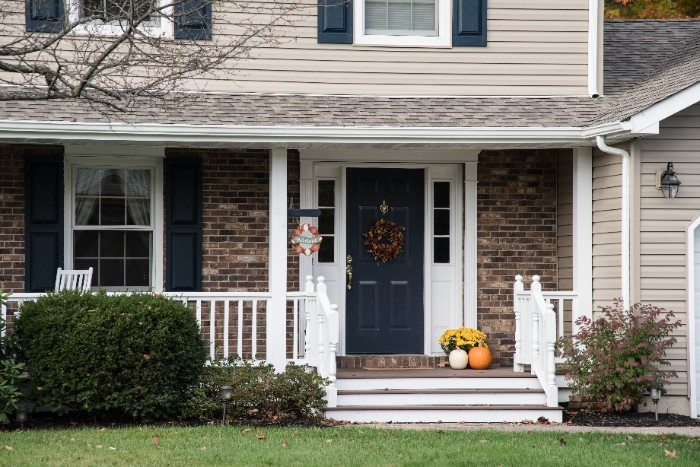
{"x": 632, "y": 419}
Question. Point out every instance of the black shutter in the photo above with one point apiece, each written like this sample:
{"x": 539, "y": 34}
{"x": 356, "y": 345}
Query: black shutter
{"x": 193, "y": 20}
{"x": 183, "y": 225}
{"x": 44, "y": 15}
{"x": 469, "y": 23}
{"x": 335, "y": 21}
{"x": 43, "y": 221}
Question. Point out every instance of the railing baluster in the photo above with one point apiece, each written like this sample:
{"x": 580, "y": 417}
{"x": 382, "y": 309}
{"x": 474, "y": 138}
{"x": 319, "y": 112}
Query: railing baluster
{"x": 254, "y": 347}
{"x": 295, "y": 332}
{"x": 226, "y": 326}
{"x": 198, "y": 313}
{"x": 212, "y": 330}
{"x": 239, "y": 331}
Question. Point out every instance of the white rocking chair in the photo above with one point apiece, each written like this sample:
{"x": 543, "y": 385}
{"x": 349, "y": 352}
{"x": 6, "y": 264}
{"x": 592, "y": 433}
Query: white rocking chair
{"x": 73, "y": 279}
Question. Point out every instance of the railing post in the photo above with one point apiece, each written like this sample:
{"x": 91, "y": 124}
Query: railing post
{"x": 311, "y": 310}
{"x": 536, "y": 291}
{"x": 321, "y": 335}
{"x": 518, "y": 288}
{"x": 551, "y": 337}
{"x": 334, "y": 326}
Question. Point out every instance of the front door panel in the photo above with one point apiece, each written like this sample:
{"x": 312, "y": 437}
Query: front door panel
{"x": 384, "y": 306}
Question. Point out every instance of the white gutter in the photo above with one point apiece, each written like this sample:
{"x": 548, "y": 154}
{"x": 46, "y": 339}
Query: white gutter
{"x": 593, "y": 46}
{"x": 284, "y": 135}
{"x": 625, "y": 227}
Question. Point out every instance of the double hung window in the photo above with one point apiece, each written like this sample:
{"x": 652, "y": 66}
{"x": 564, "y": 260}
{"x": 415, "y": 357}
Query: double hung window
{"x": 114, "y": 228}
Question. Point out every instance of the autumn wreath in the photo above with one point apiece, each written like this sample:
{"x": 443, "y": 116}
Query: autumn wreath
{"x": 384, "y": 240}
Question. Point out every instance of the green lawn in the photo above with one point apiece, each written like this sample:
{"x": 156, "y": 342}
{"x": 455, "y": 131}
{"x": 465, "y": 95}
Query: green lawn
{"x": 216, "y": 445}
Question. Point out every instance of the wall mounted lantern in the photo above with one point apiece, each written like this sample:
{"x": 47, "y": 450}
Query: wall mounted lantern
{"x": 668, "y": 182}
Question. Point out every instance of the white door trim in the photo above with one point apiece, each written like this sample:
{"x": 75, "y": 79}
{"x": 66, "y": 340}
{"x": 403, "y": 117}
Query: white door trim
{"x": 314, "y": 167}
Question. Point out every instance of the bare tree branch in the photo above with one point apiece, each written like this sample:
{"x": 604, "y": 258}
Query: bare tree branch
{"x": 113, "y": 52}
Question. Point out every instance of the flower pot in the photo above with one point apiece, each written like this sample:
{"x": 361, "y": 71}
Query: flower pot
{"x": 458, "y": 359}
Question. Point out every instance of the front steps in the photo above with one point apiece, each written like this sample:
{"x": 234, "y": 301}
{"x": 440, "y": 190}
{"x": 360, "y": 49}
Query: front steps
{"x": 439, "y": 395}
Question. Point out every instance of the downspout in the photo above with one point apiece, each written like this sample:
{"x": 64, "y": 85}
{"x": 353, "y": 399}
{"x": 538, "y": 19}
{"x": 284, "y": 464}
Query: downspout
{"x": 625, "y": 227}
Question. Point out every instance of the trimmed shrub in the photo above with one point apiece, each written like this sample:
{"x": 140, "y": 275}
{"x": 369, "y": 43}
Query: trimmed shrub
{"x": 616, "y": 357}
{"x": 120, "y": 356}
{"x": 259, "y": 394}
{"x": 11, "y": 373}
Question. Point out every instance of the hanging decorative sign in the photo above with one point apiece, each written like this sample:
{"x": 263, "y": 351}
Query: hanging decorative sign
{"x": 384, "y": 240}
{"x": 306, "y": 239}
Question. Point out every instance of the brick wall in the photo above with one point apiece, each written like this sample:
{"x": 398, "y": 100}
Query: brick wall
{"x": 516, "y": 234}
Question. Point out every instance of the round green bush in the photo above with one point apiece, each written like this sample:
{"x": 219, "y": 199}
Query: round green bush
{"x": 115, "y": 356}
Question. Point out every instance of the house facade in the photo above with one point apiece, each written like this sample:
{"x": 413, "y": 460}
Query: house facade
{"x": 499, "y": 137}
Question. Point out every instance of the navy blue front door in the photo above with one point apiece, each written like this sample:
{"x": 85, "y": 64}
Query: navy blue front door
{"x": 384, "y": 304}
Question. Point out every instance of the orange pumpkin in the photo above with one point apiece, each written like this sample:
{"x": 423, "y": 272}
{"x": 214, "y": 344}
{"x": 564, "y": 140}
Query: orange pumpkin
{"x": 480, "y": 357}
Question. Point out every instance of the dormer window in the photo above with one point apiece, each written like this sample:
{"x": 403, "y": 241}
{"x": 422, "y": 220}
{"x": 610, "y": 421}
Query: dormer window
{"x": 403, "y": 22}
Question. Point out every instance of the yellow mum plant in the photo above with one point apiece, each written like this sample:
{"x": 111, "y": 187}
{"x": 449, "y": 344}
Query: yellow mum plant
{"x": 462, "y": 338}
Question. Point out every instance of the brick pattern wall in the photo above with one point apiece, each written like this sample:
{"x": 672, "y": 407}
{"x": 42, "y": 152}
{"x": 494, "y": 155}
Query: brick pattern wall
{"x": 516, "y": 234}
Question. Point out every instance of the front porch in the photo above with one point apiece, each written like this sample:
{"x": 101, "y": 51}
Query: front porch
{"x": 388, "y": 388}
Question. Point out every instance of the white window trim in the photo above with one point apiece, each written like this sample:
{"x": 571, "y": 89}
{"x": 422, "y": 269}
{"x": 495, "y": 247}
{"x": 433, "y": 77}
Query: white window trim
{"x": 165, "y": 29}
{"x": 443, "y": 39}
{"x": 155, "y": 164}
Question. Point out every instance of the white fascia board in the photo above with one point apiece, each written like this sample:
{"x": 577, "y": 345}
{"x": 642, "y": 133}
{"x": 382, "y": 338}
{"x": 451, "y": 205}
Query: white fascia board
{"x": 651, "y": 116}
{"x": 281, "y": 135}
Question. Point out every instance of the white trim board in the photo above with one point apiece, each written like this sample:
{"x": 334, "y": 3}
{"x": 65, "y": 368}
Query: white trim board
{"x": 692, "y": 315}
{"x": 449, "y": 276}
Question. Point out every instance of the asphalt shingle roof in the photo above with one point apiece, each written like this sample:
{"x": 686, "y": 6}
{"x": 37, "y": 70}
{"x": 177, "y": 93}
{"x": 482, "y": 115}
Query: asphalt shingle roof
{"x": 645, "y": 62}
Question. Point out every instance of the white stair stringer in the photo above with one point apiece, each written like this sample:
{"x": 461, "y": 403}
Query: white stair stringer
{"x": 448, "y": 400}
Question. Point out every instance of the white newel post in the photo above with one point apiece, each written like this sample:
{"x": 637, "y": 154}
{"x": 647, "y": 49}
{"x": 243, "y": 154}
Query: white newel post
{"x": 518, "y": 287}
{"x": 535, "y": 317}
{"x": 275, "y": 339}
{"x": 309, "y": 310}
{"x": 551, "y": 330}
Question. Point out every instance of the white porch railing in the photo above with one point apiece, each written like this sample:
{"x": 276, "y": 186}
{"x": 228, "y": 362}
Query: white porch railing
{"x": 537, "y": 327}
{"x": 234, "y": 324}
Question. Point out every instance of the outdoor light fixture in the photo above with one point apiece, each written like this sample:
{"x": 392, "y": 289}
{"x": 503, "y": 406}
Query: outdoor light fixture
{"x": 668, "y": 182}
{"x": 21, "y": 416}
{"x": 655, "y": 394}
{"x": 226, "y": 393}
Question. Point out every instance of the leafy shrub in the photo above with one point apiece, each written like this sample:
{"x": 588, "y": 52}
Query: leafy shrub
{"x": 11, "y": 374}
{"x": 258, "y": 392}
{"x": 124, "y": 356}
{"x": 616, "y": 357}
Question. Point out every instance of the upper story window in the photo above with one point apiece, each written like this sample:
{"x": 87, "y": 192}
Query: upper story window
{"x": 179, "y": 19}
{"x": 113, "y": 16}
{"x": 403, "y": 22}
{"x": 409, "y": 23}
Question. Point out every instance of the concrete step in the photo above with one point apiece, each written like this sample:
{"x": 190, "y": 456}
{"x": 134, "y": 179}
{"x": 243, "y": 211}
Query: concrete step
{"x": 427, "y": 383}
{"x": 445, "y": 414}
{"x": 405, "y": 397}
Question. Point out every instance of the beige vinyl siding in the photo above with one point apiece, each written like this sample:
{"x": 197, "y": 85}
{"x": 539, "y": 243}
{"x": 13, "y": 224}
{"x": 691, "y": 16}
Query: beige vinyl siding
{"x": 664, "y": 223}
{"x": 607, "y": 190}
{"x": 534, "y": 48}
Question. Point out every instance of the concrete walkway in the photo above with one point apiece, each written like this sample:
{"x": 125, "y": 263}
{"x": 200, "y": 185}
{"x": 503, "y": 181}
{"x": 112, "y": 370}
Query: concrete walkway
{"x": 557, "y": 427}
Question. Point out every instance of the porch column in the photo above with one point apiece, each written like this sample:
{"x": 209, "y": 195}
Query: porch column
{"x": 583, "y": 231}
{"x": 275, "y": 339}
{"x": 470, "y": 244}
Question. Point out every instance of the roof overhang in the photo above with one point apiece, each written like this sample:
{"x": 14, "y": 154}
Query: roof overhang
{"x": 300, "y": 136}
{"x": 647, "y": 121}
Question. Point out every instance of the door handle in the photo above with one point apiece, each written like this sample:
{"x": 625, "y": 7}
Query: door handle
{"x": 348, "y": 270}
